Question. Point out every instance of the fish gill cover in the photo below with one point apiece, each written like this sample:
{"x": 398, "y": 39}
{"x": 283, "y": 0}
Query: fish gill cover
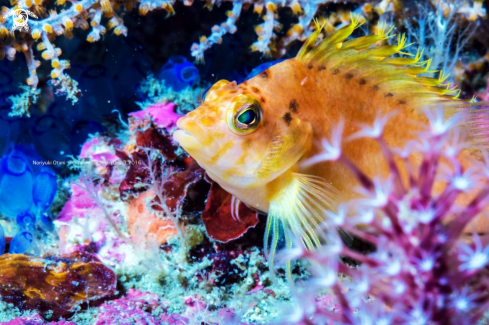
{"x": 106, "y": 219}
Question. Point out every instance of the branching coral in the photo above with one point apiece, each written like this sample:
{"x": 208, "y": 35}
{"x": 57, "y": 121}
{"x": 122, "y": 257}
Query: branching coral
{"x": 438, "y": 30}
{"x": 423, "y": 268}
{"x": 63, "y": 18}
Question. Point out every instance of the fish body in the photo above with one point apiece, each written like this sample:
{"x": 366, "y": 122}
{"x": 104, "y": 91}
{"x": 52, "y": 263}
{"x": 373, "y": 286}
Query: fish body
{"x": 252, "y": 138}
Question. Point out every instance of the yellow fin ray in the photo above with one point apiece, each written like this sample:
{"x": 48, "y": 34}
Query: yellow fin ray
{"x": 415, "y": 70}
{"x": 404, "y": 61}
{"x": 311, "y": 41}
{"x": 332, "y": 40}
{"x": 298, "y": 207}
{"x": 362, "y": 42}
{"x": 343, "y": 33}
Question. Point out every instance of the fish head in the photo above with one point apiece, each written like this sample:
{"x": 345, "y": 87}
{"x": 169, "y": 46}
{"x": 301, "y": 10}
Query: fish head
{"x": 241, "y": 139}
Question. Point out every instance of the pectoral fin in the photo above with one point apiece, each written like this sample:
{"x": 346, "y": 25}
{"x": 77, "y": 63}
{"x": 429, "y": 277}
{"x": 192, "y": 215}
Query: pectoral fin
{"x": 298, "y": 209}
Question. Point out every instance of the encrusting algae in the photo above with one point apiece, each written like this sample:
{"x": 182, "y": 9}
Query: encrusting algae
{"x": 54, "y": 286}
{"x": 262, "y": 140}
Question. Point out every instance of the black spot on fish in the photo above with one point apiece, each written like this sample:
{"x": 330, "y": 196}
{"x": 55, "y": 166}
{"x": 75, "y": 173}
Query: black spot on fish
{"x": 321, "y": 68}
{"x": 348, "y": 76}
{"x": 287, "y": 118}
{"x": 293, "y": 106}
{"x": 262, "y": 100}
{"x": 402, "y": 102}
{"x": 389, "y": 95}
{"x": 375, "y": 87}
{"x": 256, "y": 90}
{"x": 336, "y": 71}
{"x": 265, "y": 74}
{"x": 309, "y": 66}
{"x": 362, "y": 82}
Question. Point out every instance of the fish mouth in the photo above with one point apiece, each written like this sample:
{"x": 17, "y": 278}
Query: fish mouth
{"x": 186, "y": 140}
{"x": 198, "y": 142}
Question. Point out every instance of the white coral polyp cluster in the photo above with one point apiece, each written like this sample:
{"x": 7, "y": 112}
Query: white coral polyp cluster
{"x": 423, "y": 266}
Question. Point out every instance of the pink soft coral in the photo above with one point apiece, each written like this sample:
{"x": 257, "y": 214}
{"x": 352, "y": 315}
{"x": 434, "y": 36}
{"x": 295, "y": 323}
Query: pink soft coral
{"x": 163, "y": 115}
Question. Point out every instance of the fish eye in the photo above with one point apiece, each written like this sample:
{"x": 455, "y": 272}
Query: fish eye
{"x": 245, "y": 115}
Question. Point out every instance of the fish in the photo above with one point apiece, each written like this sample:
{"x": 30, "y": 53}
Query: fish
{"x": 253, "y": 138}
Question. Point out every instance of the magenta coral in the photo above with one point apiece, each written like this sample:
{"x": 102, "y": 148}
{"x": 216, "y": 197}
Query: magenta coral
{"x": 423, "y": 271}
{"x": 135, "y": 308}
{"x": 34, "y": 320}
{"x": 163, "y": 115}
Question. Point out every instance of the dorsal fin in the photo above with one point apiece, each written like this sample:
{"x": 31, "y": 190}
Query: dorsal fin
{"x": 377, "y": 62}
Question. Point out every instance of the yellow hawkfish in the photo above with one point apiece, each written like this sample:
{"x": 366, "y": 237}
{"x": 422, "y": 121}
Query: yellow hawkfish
{"x": 251, "y": 138}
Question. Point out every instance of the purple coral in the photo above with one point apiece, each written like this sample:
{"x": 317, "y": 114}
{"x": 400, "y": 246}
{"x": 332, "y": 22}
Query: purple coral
{"x": 422, "y": 270}
{"x": 136, "y": 308}
{"x": 35, "y": 320}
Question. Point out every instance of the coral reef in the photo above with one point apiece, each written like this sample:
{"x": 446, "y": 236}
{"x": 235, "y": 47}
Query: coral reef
{"x": 142, "y": 236}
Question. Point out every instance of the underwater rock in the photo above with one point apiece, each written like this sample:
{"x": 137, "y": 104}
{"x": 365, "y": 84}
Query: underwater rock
{"x": 178, "y": 73}
{"x": 163, "y": 115}
{"x": 218, "y": 218}
{"x": 35, "y": 320}
{"x": 137, "y": 172}
{"x": 178, "y": 184}
{"x": 141, "y": 222}
{"x": 179, "y": 178}
{"x": 222, "y": 268}
{"x": 54, "y": 285}
{"x": 136, "y": 308}
{"x": 155, "y": 139}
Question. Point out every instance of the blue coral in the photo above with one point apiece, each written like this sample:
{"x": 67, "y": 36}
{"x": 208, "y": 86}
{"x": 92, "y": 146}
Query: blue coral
{"x": 27, "y": 190}
{"x": 16, "y": 181}
{"x": 21, "y": 242}
{"x": 178, "y": 73}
